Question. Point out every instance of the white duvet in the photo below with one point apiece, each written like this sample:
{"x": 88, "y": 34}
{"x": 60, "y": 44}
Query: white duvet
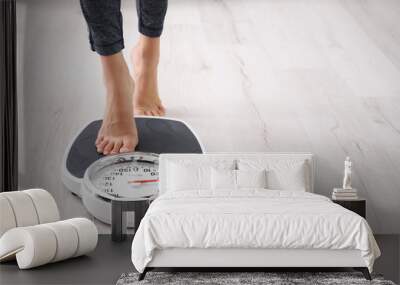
{"x": 250, "y": 219}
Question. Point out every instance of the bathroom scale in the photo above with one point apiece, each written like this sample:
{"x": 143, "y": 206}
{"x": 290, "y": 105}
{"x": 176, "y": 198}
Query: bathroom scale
{"x": 98, "y": 179}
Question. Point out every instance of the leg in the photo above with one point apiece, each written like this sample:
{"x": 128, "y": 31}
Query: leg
{"x": 364, "y": 271}
{"x": 118, "y": 221}
{"x": 366, "y": 274}
{"x": 140, "y": 211}
{"x": 118, "y": 131}
{"x": 145, "y": 57}
{"x": 142, "y": 275}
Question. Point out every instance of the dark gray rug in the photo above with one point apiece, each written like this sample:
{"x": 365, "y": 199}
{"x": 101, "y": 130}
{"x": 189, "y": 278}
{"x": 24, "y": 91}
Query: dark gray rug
{"x": 268, "y": 278}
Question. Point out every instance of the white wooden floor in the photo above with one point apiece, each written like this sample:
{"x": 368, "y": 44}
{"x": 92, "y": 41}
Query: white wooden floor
{"x": 256, "y": 75}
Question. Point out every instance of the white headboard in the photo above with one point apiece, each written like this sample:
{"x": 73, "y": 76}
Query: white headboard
{"x": 170, "y": 157}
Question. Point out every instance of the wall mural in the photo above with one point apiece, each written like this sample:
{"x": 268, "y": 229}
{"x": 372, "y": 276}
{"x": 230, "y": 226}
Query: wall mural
{"x": 258, "y": 83}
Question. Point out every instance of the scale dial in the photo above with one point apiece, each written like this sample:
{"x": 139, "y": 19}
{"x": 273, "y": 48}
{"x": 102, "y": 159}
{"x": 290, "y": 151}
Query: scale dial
{"x": 130, "y": 176}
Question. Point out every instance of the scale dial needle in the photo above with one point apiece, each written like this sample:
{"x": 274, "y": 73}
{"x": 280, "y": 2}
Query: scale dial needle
{"x": 143, "y": 181}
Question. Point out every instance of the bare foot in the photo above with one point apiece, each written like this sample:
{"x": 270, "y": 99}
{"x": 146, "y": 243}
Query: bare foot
{"x": 145, "y": 57}
{"x": 118, "y": 132}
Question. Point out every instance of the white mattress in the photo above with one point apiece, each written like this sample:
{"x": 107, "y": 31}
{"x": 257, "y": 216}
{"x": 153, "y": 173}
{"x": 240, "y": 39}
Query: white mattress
{"x": 257, "y": 219}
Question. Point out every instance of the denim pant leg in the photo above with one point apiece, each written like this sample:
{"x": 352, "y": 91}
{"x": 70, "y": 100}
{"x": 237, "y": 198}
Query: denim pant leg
{"x": 151, "y": 15}
{"x": 104, "y": 21}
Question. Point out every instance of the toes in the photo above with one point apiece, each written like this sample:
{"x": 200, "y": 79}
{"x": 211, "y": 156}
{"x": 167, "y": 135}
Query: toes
{"x": 128, "y": 145}
{"x": 117, "y": 147}
{"x": 161, "y": 110}
{"x": 154, "y": 113}
{"x": 124, "y": 149}
{"x": 139, "y": 112}
{"x": 108, "y": 148}
{"x": 100, "y": 136}
{"x": 161, "y": 107}
{"x": 101, "y": 145}
{"x": 99, "y": 140}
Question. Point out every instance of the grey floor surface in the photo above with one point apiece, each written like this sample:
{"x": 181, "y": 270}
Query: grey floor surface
{"x": 110, "y": 260}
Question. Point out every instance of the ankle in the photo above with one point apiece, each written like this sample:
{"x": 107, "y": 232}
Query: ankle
{"x": 149, "y": 46}
{"x": 146, "y": 54}
{"x": 145, "y": 60}
{"x": 118, "y": 81}
{"x": 118, "y": 109}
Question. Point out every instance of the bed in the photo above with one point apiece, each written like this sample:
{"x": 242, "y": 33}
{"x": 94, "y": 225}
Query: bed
{"x": 244, "y": 211}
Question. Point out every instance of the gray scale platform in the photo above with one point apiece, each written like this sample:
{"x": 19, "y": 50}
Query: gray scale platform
{"x": 155, "y": 135}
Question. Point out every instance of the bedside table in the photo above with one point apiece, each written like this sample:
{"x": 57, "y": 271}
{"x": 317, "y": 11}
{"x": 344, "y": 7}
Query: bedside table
{"x": 357, "y": 206}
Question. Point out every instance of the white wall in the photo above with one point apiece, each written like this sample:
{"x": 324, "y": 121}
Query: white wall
{"x": 318, "y": 76}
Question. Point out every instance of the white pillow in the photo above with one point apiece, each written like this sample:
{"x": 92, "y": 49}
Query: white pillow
{"x": 223, "y": 179}
{"x": 251, "y": 178}
{"x": 187, "y": 176}
{"x": 288, "y": 179}
{"x": 281, "y": 174}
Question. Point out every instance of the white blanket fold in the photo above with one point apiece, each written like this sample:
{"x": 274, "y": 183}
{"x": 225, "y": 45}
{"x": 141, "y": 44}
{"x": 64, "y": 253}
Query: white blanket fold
{"x": 250, "y": 219}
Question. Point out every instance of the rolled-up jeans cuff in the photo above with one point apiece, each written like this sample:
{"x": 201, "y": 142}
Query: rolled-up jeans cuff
{"x": 151, "y": 33}
{"x": 110, "y": 49}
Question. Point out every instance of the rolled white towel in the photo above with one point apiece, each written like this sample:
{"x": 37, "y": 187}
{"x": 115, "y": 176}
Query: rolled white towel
{"x": 23, "y": 208}
{"x": 45, "y": 205}
{"x": 7, "y": 220}
{"x": 33, "y": 246}
{"x": 26, "y": 208}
